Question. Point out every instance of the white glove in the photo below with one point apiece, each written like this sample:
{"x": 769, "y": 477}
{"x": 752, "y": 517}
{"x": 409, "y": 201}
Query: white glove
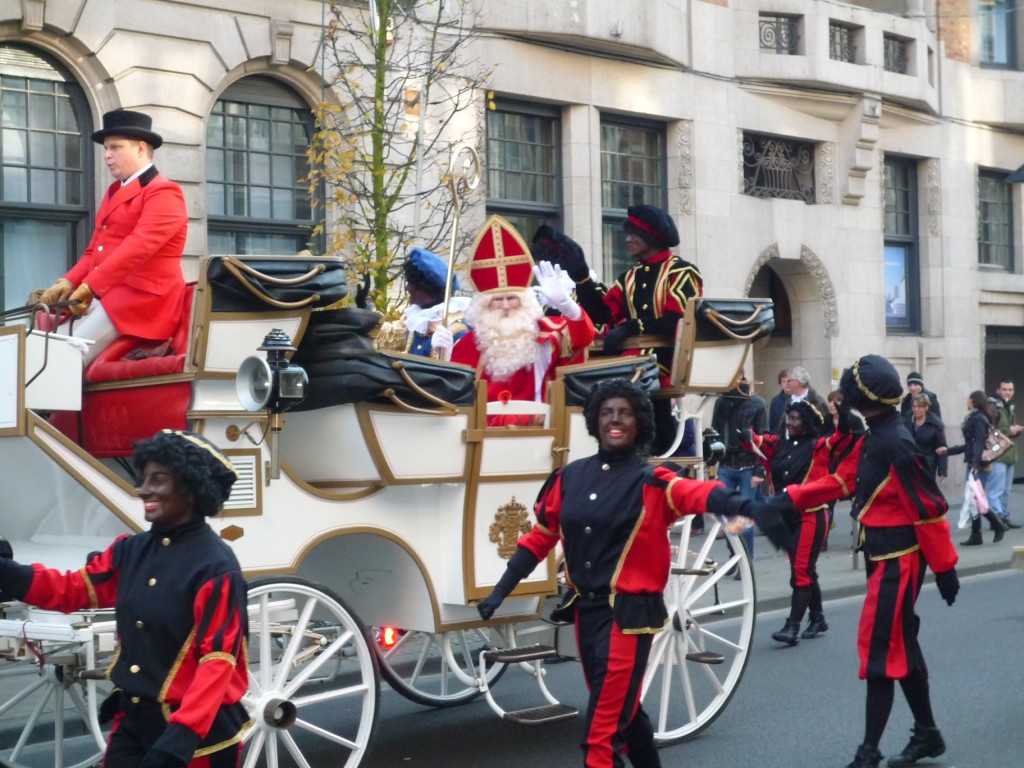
{"x": 443, "y": 340}
{"x": 551, "y": 285}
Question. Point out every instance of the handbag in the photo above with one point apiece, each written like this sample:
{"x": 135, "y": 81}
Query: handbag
{"x": 995, "y": 445}
{"x": 580, "y": 379}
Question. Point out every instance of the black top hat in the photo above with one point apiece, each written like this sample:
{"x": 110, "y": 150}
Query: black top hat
{"x": 653, "y": 224}
{"x": 131, "y": 125}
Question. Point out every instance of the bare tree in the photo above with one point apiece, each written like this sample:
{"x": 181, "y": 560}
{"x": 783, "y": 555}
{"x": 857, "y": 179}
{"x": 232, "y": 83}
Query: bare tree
{"x": 404, "y": 93}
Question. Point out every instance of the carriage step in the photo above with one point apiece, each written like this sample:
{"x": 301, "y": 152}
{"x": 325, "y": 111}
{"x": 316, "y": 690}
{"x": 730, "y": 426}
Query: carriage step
{"x": 676, "y": 571}
{"x": 705, "y": 657}
{"x": 551, "y": 713}
{"x": 516, "y": 655}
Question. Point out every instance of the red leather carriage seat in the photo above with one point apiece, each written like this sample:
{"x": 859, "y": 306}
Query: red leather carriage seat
{"x": 113, "y": 417}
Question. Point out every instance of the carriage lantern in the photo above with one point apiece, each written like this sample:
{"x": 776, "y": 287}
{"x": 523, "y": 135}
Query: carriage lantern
{"x": 272, "y": 384}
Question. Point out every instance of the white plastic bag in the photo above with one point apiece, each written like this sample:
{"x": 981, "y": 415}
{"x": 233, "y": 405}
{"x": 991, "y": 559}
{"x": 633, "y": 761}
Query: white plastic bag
{"x": 969, "y": 508}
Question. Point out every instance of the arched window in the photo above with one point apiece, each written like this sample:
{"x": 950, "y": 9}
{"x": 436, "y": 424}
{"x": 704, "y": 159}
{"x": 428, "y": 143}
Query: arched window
{"x": 256, "y": 143}
{"x": 47, "y": 165}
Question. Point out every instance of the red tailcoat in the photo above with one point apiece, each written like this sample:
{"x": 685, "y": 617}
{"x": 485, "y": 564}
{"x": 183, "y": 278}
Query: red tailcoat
{"x": 133, "y": 261}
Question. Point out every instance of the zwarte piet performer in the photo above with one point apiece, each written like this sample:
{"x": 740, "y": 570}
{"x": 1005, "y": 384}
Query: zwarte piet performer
{"x": 903, "y": 528}
{"x": 180, "y": 602}
{"x": 611, "y": 512}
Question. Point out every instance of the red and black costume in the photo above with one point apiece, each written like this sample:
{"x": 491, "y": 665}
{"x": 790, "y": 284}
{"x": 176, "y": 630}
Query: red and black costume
{"x": 611, "y": 513}
{"x": 180, "y": 670}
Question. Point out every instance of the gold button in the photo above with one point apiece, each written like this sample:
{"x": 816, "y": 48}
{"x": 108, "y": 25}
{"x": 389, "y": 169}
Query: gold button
{"x": 152, "y": 582}
{"x": 138, "y": 625}
{"x": 647, "y": 269}
{"x": 136, "y": 699}
{"x": 100, "y": 248}
{"x": 643, "y": 285}
{"x": 166, "y": 542}
{"x": 593, "y": 496}
{"x": 645, "y": 306}
{"x": 135, "y": 669}
{"x": 605, "y": 467}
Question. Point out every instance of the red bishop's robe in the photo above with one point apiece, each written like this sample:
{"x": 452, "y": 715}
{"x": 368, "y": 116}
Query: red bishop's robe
{"x": 561, "y": 342}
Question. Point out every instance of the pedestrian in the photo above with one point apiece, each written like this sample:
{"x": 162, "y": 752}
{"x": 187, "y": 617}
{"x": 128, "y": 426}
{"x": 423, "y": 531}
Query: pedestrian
{"x": 735, "y": 415}
{"x": 128, "y": 280}
{"x": 611, "y": 513}
{"x": 179, "y": 599}
{"x": 648, "y": 299}
{"x": 903, "y": 528}
{"x": 1001, "y": 481}
{"x": 915, "y": 386}
{"x": 799, "y": 388}
{"x": 423, "y": 326}
{"x": 777, "y": 406}
{"x": 930, "y": 435}
{"x": 975, "y": 428}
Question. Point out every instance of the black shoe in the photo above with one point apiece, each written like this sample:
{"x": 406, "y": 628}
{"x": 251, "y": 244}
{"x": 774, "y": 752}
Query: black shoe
{"x": 1009, "y": 523}
{"x": 816, "y": 626}
{"x": 1000, "y": 532}
{"x": 925, "y": 741}
{"x": 788, "y": 633}
{"x": 867, "y": 757}
{"x": 973, "y": 541}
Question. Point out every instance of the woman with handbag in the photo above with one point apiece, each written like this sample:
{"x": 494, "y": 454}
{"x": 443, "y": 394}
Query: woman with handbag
{"x": 976, "y": 427}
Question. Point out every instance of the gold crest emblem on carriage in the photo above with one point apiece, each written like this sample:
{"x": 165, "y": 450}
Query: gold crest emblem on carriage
{"x": 510, "y": 521}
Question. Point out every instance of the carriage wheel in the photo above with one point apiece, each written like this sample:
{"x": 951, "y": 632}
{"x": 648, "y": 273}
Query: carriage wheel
{"x": 309, "y": 659}
{"x": 698, "y": 660}
{"x": 59, "y": 727}
{"x": 439, "y": 669}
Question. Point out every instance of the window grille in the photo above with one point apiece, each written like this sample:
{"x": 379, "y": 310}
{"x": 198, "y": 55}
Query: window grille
{"x": 780, "y": 168}
{"x": 779, "y": 34}
{"x": 840, "y": 42}
{"x": 895, "y": 50}
{"x": 995, "y": 221}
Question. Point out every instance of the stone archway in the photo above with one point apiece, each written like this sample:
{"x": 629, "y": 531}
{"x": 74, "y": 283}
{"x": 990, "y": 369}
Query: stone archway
{"x": 814, "y": 314}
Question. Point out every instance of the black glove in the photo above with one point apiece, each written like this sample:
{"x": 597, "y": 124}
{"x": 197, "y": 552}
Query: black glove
{"x": 363, "y": 291}
{"x": 557, "y": 247}
{"x": 6, "y": 550}
{"x": 15, "y": 578}
{"x": 520, "y": 565}
{"x": 614, "y": 338}
{"x": 728, "y": 504}
{"x": 771, "y": 517}
{"x": 949, "y": 584}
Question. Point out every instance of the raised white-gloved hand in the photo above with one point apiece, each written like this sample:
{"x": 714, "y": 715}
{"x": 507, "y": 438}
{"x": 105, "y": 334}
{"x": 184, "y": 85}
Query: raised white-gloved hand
{"x": 550, "y": 283}
{"x": 442, "y": 339}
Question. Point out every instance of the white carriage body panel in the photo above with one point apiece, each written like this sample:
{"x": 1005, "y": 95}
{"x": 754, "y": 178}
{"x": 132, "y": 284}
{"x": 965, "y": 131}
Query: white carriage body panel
{"x": 327, "y": 445}
{"x": 229, "y": 342}
{"x": 216, "y": 395}
{"x": 516, "y": 453}
{"x": 10, "y": 381}
{"x": 715, "y": 368}
{"x": 57, "y": 363}
{"x": 422, "y": 446}
{"x": 491, "y": 496}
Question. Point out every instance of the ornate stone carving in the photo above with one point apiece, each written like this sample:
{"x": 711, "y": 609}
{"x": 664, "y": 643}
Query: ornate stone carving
{"x": 827, "y": 173}
{"x": 934, "y": 197}
{"x": 281, "y": 42}
{"x": 684, "y": 144}
{"x": 510, "y": 522}
{"x": 817, "y": 270}
{"x": 33, "y": 14}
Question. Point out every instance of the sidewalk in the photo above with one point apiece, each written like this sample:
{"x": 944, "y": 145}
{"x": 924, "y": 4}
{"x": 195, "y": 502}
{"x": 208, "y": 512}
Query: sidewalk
{"x": 838, "y": 575}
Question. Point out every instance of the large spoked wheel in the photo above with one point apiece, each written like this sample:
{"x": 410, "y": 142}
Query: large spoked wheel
{"x": 439, "y": 669}
{"x": 54, "y": 712}
{"x": 698, "y": 660}
{"x": 309, "y": 659}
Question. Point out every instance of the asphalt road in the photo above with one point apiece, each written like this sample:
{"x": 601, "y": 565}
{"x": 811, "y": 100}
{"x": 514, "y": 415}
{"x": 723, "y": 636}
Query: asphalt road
{"x": 796, "y": 707}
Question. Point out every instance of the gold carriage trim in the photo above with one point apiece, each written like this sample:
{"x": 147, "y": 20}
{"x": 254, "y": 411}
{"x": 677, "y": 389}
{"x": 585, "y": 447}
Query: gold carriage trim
{"x": 510, "y": 521}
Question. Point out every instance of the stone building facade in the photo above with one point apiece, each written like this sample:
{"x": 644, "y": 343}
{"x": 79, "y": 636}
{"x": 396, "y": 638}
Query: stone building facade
{"x": 852, "y": 161}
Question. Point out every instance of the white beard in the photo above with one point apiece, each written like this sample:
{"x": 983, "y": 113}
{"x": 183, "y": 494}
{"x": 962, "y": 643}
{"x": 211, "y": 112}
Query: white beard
{"x": 507, "y": 343}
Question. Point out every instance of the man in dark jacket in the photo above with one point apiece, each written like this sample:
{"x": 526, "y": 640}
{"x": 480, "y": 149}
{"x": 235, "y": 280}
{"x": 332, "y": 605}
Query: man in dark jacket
{"x": 915, "y": 386}
{"x": 1000, "y": 482}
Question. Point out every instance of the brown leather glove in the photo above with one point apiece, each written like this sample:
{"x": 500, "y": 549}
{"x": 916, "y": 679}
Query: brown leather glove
{"x": 83, "y": 295}
{"x": 59, "y": 291}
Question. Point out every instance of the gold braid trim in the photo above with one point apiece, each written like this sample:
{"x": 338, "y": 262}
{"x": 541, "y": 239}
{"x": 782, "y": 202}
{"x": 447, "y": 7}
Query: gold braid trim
{"x": 645, "y": 630}
{"x": 871, "y": 395}
{"x": 206, "y": 447}
{"x": 185, "y": 647}
{"x": 894, "y": 555}
{"x": 219, "y": 656}
{"x": 94, "y": 601}
{"x": 224, "y": 744}
{"x": 878, "y": 490}
{"x": 930, "y": 520}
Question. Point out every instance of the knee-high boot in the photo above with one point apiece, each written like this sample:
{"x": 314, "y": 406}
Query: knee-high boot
{"x": 798, "y": 607}
{"x": 975, "y": 538}
{"x": 997, "y": 526}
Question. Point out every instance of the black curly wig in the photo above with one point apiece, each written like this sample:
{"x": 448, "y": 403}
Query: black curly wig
{"x": 202, "y": 470}
{"x": 638, "y": 398}
{"x": 809, "y": 414}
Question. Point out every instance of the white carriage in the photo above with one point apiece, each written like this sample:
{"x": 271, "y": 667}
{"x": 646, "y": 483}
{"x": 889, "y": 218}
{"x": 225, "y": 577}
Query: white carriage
{"x": 369, "y": 523}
